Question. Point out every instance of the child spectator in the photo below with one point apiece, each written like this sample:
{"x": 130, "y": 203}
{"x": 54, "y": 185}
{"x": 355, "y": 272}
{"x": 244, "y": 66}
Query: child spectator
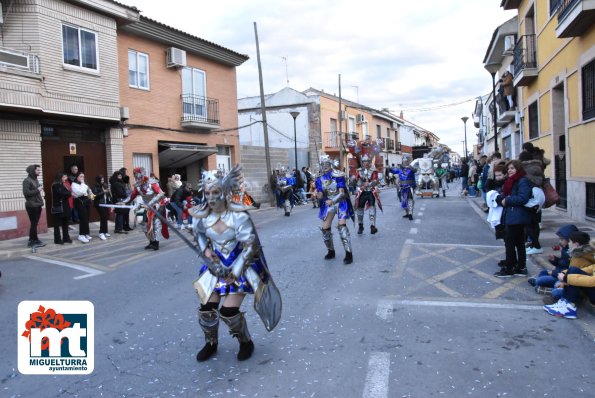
{"x": 579, "y": 277}
{"x": 548, "y": 279}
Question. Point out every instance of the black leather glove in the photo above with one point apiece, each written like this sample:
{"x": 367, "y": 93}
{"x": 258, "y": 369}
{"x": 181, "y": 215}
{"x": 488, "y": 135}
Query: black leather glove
{"x": 499, "y": 200}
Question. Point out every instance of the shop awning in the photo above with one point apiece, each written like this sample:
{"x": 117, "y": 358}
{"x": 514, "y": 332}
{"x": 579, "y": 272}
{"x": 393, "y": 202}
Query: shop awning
{"x": 173, "y": 155}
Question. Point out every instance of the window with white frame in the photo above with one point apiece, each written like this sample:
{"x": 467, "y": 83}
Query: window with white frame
{"x": 378, "y": 130}
{"x": 138, "y": 70}
{"x": 79, "y": 48}
{"x": 144, "y": 160}
{"x": 194, "y": 92}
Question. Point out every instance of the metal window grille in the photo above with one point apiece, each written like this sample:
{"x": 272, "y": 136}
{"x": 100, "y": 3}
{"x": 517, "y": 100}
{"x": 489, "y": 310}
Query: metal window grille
{"x": 533, "y": 121}
{"x": 588, "y": 88}
{"x": 590, "y": 209}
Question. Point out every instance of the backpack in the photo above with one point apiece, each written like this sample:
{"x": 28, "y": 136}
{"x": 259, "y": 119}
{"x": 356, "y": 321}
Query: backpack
{"x": 537, "y": 199}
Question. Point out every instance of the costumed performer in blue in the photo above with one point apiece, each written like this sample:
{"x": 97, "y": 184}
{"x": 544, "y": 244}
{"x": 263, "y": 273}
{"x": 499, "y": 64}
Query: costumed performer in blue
{"x": 334, "y": 199}
{"x": 406, "y": 181}
{"x": 233, "y": 266}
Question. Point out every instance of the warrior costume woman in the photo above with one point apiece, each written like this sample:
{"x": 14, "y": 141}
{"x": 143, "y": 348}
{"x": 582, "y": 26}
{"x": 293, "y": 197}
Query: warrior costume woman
{"x": 152, "y": 197}
{"x": 233, "y": 264}
{"x": 366, "y": 179}
{"x": 286, "y": 184}
{"x": 334, "y": 199}
{"x": 406, "y": 182}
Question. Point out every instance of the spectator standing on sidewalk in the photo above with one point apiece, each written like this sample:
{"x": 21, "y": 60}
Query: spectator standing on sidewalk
{"x": 516, "y": 192}
{"x": 60, "y": 198}
{"x": 72, "y": 174}
{"x": 534, "y": 166}
{"x": 102, "y": 197}
{"x": 118, "y": 190}
{"x": 464, "y": 177}
{"x": 177, "y": 202}
{"x": 128, "y": 186}
{"x": 576, "y": 280}
{"x": 33, "y": 202}
{"x": 82, "y": 203}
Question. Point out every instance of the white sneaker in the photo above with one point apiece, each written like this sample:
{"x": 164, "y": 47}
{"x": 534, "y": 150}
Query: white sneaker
{"x": 533, "y": 250}
{"x": 102, "y": 237}
{"x": 182, "y": 227}
{"x": 89, "y": 237}
{"x": 83, "y": 239}
{"x": 107, "y": 235}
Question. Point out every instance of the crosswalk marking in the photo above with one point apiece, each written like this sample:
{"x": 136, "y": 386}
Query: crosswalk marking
{"x": 377, "y": 377}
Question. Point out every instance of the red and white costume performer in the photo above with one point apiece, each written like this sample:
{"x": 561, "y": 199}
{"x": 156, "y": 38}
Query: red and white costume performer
{"x": 153, "y": 198}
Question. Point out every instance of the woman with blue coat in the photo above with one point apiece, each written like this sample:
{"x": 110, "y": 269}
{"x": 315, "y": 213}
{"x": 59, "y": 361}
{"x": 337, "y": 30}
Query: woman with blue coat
{"x": 516, "y": 192}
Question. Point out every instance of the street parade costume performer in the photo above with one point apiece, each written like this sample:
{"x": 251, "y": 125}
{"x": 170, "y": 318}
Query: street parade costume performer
{"x": 286, "y": 184}
{"x": 152, "y": 197}
{"x": 233, "y": 265}
{"x": 406, "y": 182}
{"x": 366, "y": 180}
{"x": 334, "y": 199}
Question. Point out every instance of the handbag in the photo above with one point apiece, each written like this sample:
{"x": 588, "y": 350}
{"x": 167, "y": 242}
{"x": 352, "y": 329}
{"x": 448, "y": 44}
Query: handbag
{"x": 551, "y": 196}
{"x": 56, "y": 209}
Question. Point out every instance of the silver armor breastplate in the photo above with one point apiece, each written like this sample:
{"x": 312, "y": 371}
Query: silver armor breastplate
{"x": 330, "y": 187}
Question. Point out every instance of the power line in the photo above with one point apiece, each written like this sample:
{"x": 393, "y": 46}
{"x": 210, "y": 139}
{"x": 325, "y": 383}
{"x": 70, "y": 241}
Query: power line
{"x": 437, "y": 107}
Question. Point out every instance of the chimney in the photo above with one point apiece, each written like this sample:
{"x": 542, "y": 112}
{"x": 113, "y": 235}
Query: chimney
{"x": 401, "y": 115}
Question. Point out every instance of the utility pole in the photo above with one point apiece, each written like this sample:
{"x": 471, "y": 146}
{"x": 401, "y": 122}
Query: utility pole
{"x": 264, "y": 122}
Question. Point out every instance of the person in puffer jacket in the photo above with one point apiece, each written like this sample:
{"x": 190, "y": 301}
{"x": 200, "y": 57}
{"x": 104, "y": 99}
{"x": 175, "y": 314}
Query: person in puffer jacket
{"x": 579, "y": 278}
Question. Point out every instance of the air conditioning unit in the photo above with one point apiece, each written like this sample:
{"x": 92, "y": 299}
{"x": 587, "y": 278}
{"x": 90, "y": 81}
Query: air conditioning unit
{"x": 508, "y": 43}
{"x": 395, "y": 125}
{"x": 124, "y": 113}
{"x": 176, "y": 58}
{"x": 14, "y": 59}
{"x": 359, "y": 118}
{"x": 343, "y": 115}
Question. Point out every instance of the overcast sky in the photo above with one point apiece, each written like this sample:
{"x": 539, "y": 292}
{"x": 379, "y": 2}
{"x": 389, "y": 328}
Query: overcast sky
{"x": 400, "y": 55}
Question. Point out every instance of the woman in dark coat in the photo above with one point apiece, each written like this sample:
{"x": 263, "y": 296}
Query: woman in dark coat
{"x": 118, "y": 189}
{"x": 102, "y": 196}
{"x": 516, "y": 192}
{"x": 60, "y": 198}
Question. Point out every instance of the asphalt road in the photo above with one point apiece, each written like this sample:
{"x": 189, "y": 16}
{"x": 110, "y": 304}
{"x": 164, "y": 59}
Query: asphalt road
{"x": 418, "y": 314}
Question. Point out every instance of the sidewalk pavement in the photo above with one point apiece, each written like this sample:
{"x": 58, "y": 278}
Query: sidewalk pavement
{"x": 551, "y": 220}
{"x": 17, "y": 247}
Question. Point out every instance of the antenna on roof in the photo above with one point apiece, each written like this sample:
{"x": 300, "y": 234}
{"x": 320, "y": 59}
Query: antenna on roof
{"x": 286, "y": 74}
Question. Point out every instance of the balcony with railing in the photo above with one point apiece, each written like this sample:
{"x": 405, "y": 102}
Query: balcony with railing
{"x": 525, "y": 61}
{"x": 18, "y": 62}
{"x": 331, "y": 141}
{"x": 575, "y": 17}
{"x": 200, "y": 112}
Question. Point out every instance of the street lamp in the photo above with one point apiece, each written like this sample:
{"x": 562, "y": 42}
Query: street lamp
{"x": 493, "y": 68}
{"x": 464, "y": 119}
{"x": 294, "y": 115}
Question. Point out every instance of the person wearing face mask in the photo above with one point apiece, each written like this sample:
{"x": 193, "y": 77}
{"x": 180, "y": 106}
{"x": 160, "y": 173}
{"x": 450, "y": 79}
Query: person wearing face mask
{"x": 233, "y": 264}
{"x": 331, "y": 191}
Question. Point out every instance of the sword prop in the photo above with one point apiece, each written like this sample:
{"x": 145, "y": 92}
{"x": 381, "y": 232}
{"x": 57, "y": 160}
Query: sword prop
{"x": 118, "y": 206}
{"x": 215, "y": 268}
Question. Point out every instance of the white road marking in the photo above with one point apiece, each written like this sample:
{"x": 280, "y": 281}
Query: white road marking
{"x": 455, "y": 244}
{"x": 413, "y": 231}
{"x": 384, "y": 310}
{"x": 421, "y": 213}
{"x": 416, "y": 221}
{"x": 89, "y": 271}
{"x": 377, "y": 377}
{"x": 467, "y": 304}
